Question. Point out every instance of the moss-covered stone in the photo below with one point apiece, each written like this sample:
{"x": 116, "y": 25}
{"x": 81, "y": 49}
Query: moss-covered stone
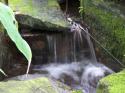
{"x": 114, "y": 83}
{"x": 108, "y": 23}
{"x": 37, "y": 85}
{"x": 39, "y": 14}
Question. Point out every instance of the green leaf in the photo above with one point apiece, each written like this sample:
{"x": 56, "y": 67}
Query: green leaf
{"x": 9, "y": 22}
{"x": 3, "y": 72}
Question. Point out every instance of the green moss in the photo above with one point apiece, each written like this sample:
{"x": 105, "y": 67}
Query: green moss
{"x": 31, "y": 86}
{"x": 45, "y": 10}
{"x": 108, "y": 26}
{"x": 114, "y": 83}
{"x": 37, "y": 85}
{"x": 52, "y": 3}
{"x": 77, "y": 91}
{"x": 27, "y": 6}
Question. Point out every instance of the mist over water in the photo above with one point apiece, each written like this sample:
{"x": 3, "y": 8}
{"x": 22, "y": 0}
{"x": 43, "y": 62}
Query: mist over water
{"x": 79, "y": 75}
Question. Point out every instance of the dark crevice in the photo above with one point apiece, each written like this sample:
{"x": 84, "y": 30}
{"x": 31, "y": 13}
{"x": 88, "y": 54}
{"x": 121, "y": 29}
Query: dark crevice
{"x": 71, "y": 9}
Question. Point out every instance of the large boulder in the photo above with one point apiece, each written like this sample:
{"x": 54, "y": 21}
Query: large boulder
{"x": 39, "y": 14}
{"x": 114, "y": 83}
{"x": 21, "y": 84}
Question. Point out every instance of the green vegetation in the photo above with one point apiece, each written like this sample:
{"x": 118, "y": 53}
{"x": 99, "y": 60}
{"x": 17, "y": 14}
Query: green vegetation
{"x": 81, "y": 8}
{"x": 108, "y": 25}
{"x": 9, "y": 22}
{"x": 114, "y": 83}
{"x": 26, "y": 8}
{"x": 107, "y": 19}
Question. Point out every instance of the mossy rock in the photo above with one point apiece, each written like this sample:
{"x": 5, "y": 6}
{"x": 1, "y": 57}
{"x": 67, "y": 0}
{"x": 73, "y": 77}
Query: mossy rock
{"x": 37, "y": 85}
{"x": 2, "y": 1}
{"x": 107, "y": 20}
{"x": 39, "y": 14}
{"x": 114, "y": 83}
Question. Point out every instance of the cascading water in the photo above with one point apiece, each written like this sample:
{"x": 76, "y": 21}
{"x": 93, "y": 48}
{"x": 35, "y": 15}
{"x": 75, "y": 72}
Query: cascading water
{"x": 79, "y": 75}
{"x": 93, "y": 56}
{"x": 69, "y": 64}
{"x": 52, "y": 47}
{"x": 78, "y": 30}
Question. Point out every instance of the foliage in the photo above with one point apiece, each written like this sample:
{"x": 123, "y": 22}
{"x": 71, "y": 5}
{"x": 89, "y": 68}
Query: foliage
{"x": 81, "y": 8}
{"x": 108, "y": 26}
{"x": 9, "y": 22}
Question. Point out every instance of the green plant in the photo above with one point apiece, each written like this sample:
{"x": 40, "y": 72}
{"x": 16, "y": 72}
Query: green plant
{"x": 7, "y": 18}
{"x": 81, "y": 8}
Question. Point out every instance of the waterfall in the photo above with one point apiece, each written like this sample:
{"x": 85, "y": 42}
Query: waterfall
{"x": 51, "y": 40}
{"x": 55, "y": 53}
{"x": 78, "y": 30}
{"x": 68, "y": 63}
{"x": 93, "y": 56}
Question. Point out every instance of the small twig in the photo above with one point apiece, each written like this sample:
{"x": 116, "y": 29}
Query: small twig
{"x": 66, "y": 9}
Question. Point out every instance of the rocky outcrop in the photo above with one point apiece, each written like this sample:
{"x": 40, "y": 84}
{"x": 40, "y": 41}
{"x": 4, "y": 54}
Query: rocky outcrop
{"x": 37, "y": 85}
{"x": 39, "y": 14}
{"x": 114, "y": 83}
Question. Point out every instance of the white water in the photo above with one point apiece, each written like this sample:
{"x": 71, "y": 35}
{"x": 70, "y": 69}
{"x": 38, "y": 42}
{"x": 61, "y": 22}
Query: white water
{"x": 79, "y": 32}
{"x": 93, "y": 56}
{"x": 52, "y": 46}
{"x": 79, "y": 75}
{"x": 55, "y": 52}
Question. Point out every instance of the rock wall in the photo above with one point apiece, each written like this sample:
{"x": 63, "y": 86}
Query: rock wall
{"x": 5, "y": 54}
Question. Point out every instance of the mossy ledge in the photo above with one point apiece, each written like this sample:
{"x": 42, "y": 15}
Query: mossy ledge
{"x": 39, "y": 14}
{"x": 114, "y": 83}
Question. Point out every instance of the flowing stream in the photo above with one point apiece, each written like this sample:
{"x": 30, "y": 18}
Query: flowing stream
{"x": 68, "y": 62}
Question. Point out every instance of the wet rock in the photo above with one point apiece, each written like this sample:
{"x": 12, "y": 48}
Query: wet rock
{"x": 5, "y": 54}
{"x": 114, "y": 83}
{"x": 33, "y": 85}
{"x": 39, "y": 14}
{"x": 11, "y": 60}
{"x": 61, "y": 1}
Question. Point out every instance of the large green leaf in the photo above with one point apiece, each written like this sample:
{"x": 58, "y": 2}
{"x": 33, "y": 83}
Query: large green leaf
{"x": 8, "y": 20}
